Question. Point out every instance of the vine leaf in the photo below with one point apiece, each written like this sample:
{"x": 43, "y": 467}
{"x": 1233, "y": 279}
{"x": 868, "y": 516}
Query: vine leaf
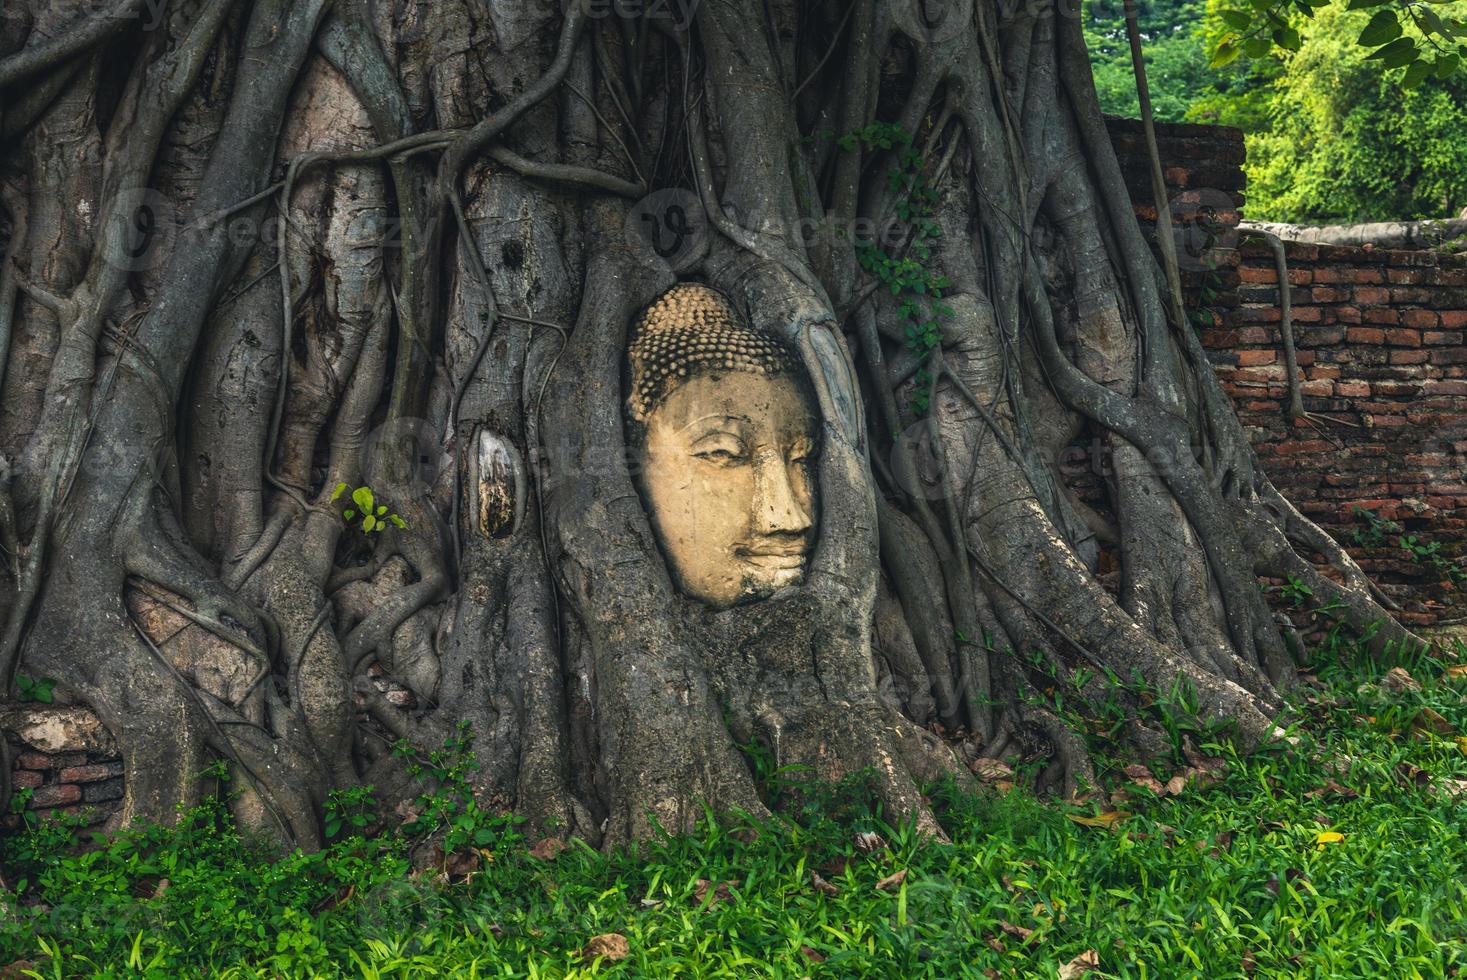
{"x": 1383, "y": 28}
{"x": 364, "y": 499}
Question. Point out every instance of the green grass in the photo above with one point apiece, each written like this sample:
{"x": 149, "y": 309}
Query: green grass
{"x": 1214, "y": 883}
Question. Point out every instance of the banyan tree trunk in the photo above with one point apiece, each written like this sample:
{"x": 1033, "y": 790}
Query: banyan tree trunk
{"x": 256, "y": 251}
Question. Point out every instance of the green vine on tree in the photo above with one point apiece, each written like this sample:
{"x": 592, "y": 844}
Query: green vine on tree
{"x": 907, "y": 274}
{"x": 374, "y": 516}
{"x": 1200, "y": 310}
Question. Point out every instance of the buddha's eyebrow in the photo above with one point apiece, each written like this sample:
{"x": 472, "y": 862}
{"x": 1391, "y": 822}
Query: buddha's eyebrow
{"x": 717, "y": 415}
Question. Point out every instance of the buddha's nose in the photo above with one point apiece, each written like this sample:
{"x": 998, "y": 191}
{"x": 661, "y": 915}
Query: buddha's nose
{"x": 782, "y": 499}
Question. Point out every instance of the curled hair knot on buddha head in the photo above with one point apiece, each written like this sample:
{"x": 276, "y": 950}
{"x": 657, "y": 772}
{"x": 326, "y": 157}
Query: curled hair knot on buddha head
{"x": 693, "y": 329}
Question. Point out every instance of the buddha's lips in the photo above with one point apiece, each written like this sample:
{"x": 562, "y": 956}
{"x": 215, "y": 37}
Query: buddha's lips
{"x": 776, "y": 556}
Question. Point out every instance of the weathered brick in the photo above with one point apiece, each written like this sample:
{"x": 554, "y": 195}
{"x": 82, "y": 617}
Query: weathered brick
{"x": 1413, "y": 277}
{"x": 1416, "y": 258}
{"x": 1395, "y": 389}
{"x": 57, "y": 794}
{"x": 91, "y": 773}
{"x": 1446, "y": 387}
{"x": 1421, "y": 319}
{"x": 1352, "y": 389}
{"x": 1404, "y": 337}
{"x": 1365, "y": 335}
{"x": 1305, "y": 446}
{"x": 1248, "y": 358}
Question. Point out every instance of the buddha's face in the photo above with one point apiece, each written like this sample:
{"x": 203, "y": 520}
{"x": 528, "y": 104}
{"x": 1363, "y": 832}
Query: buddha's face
{"x": 727, "y": 471}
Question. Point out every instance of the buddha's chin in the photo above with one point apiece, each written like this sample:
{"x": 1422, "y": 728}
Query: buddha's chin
{"x": 762, "y": 580}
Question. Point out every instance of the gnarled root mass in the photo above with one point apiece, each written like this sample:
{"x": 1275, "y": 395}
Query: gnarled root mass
{"x": 256, "y": 254}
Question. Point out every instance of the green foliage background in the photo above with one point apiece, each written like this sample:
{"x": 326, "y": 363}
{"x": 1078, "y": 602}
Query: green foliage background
{"x": 1332, "y": 136}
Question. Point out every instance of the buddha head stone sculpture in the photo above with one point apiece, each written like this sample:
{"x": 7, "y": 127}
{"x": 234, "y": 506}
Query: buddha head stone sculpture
{"x": 725, "y": 435}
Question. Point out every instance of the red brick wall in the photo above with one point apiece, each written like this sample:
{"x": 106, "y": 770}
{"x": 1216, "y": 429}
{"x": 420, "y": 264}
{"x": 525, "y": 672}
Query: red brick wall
{"x": 1203, "y": 169}
{"x": 1381, "y": 356}
{"x": 64, "y": 759}
{"x": 1384, "y": 378}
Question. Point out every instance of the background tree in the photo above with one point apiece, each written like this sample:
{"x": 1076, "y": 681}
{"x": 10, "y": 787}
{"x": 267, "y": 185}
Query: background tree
{"x": 1176, "y": 57}
{"x": 1331, "y": 135}
{"x": 259, "y": 251}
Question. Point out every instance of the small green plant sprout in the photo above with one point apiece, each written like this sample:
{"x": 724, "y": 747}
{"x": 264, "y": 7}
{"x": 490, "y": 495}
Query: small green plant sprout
{"x": 1374, "y": 530}
{"x": 373, "y": 515}
{"x": 350, "y": 810}
{"x": 1295, "y": 592}
{"x": 38, "y": 690}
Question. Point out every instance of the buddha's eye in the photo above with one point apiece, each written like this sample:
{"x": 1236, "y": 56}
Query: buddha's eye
{"x": 724, "y": 455}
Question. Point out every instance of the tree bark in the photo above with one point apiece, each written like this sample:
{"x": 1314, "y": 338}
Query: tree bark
{"x": 401, "y": 245}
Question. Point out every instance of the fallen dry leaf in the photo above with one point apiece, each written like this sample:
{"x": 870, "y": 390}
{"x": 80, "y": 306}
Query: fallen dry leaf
{"x": 1398, "y": 681}
{"x": 1457, "y": 672}
{"x": 1328, "y": 837}
{"x": 461, "y": 863}
{"x": 821, "y": 885}
{"x": 1332, "y": 788}
{"x": 1080, "y": 965}
{"x": 1142, "y": 777}
{"x": 1414, "y": 775}
{"x": 813, "y": 955}
{"x": 547, "y": 849}
{"x": 1427, "y": 720}
{"x": 1206, "y": 763}
{"x": 719, "y": 893}
{"x": 868, "y": 841}
{"x": 609, "y": 946}
{"x": 991, "y": 770}
{"x": 1291, "y": 876}
{"x": 892, "y": 881}
{"x": 1018, "y": 932}
{"x": 1105, "y": 821}
{"x": 1452, "y": 787}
